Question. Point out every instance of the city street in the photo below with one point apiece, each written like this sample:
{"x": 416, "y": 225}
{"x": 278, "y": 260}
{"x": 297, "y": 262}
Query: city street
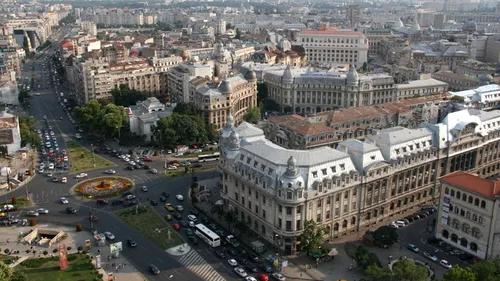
{"x": 46, "y": 194}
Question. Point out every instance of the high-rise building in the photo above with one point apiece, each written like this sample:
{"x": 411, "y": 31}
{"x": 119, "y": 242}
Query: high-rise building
{"x": 354, "y": 15}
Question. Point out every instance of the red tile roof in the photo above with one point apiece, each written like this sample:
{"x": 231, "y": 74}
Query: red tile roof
{"x": 301, "y": 124}
{"x": 472, "y": 182}
{"x": 329, "y": 31}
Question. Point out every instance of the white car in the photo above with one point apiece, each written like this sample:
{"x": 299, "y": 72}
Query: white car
{"x": 192, "y": 218}
{"x": 232, "y": 262}
{"x": 42, "y": 211}
{"x": 172, "y": 168}
{"x": 144, "y": 188}
{"x": 279, "y": 277}
{"x": 131, "y": 163}
{"x": 32, "y": 214}
{"x": 240, "y": 272}
{"x": 65, "y": 159}
{"x": 42, "y": 165}
{"x": 121, "y": 156}
{"x": 445, "y": 264}
{"x": 109, "y": 235}
{"x": 179, "y": 208}
{"x": 431, "y": 257}
{"x": 64, "y": 200}
{"x": 81, "y": 175}
{"x": 111, "y": 172}
{"x": 51, "y": 166}
{"x": 179, "y": 197}
{"x": 250, "y": 278}
{"x": 126, "y": 159}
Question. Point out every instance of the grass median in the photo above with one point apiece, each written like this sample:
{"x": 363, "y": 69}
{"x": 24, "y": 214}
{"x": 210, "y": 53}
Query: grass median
{"x": 81, "y": 159}
{"x": 151, "y": 225}
{"x": 181, "y": 171}
{"x": 47, "y": 269}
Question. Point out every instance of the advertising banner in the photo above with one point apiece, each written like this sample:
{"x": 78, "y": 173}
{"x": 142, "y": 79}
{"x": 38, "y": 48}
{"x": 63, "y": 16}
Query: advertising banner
{"x": 63, "y": 257}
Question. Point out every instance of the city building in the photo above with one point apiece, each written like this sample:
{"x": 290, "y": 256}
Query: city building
{"x": 333, "y": 127}
{"x": 144, "y": 115}
{"x": 458, "y": 82}
{"x": 359, "y": 184}
{"x": 308, "y": 90}
{"x": 10, "y": 134}
{"x": 469, "y": 216}
{"x": 485, "y": 97}
{"x": 417, "y": 88}
{"x": 233, "y": 96}
{"x": 330, "y": 46}
{"x": 178, "y": 79}
{"x": 354, "y": 14}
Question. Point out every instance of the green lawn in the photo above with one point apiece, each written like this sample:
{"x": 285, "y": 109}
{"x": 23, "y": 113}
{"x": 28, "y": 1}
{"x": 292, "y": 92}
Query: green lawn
{"x": 182, "y": 172}
{"x": 81, "y": 159}
{"x": 47, "y": 269}
{"x": 20, "y": 202}
{"x": 148, "y": 222}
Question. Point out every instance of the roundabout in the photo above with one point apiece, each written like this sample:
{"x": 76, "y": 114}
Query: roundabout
{"x": 398, "y": 265}
{"x": 102, "y": 187}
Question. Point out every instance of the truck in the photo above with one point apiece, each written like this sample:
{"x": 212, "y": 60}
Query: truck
{"x": 232, "y": 240}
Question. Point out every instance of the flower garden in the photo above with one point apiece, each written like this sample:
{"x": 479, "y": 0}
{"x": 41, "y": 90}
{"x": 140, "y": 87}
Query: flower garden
{"x": 102, "y": 187}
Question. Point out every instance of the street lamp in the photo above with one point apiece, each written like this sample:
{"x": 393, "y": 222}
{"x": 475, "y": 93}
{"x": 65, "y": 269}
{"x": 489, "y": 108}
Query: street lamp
{"x": 93, "y": 156}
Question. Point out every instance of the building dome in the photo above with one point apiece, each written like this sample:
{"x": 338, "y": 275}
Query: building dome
{"x": 230, "y": 119}
{"x": 234, "y": 140}
{"x": 291, "y": 178}
{"x": 225, "y": 87}
{"x": 470, "y": 26}
{"x": 398, "y": 24}
{"x": 287, "y": 75}
{"x": 251, "y": 75}
{"x": 486, "y": 79}
{"x": 352, "y": 76}
{"x": 291, "y": 162}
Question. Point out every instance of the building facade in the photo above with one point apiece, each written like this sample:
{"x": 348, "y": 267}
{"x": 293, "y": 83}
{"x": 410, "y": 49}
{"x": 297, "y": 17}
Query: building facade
{"x": 234, "y": 96}
{"x": 348, "y": 189}
{"x": 469, "y": 216}
{"x": 330, "y": 46}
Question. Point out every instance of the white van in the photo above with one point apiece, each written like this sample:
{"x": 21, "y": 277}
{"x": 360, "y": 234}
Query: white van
{"x": 399, "y": 223}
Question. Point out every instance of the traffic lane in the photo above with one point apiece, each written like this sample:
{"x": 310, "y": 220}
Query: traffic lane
{"x": 146, "y": 252}
{"x": 414, "y": 234}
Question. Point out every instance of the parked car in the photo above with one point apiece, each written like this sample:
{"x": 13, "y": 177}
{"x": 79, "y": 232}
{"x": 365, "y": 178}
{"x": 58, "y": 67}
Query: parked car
{"x": 154, "y": 269}
{"x": 413, "y": 248}
{"x": 102, "y": 202}
{"x": 109, "y": 235}
{"x": 431, "y": 257}
{"x": 32, "y": 214}
{"x": 71, "y": 210}
{"x": 445, "y": 264}
{"x": 240, "y": 271}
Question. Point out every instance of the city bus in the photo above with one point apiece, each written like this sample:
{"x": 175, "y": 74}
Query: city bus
{"x": 208, "y": 157}
{"x": 207, "y": 235}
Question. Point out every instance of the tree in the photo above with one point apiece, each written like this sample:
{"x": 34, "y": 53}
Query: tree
{"x": 253, "y": 115}
{"x": 186, "y": 108}
{"x": 177, "y": 129}
{"x": 487, "y": 270}
{"x": 23, "y": 96}
{"x": 230, "y": 217}
{"x": 5, "y": 272}
{"x": 365, "y": 66}
{"x": 107, "y": 120}
{"x": 365, "y": 258}
{"x": 378, "y": 273}
{"x": 238, "y": 34}
{"x": 19, "y": 276}
{"x": 311, "y": 238}
{"x": 460, "y": 274}
{"x": 27, "y": 125}
{"x": 125, "y": 96}
{"x": 241, "y": 226}
{"x": 407, "y": 270}
{"x": 385, "y": 235}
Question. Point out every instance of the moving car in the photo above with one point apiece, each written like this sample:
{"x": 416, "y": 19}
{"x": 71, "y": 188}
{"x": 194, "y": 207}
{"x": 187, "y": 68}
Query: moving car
{"x": 169, "y": 207}
{"x": 64, "y": 180}
{"x": 102, "y": 202}
{"x": 71, "y": 210}
{"x": 154, "y": 269}
{"x": 250, "y": 278}
{"x": 192, "y": 218}
{"x": 240, "y": 272}
{"x": 431, "y": 257}
{"x": 179, "y": 208}
{"x": 93, "y": 218}
{"x": 279, "y": 277}
{"x": 179, "y": 197}
{"x": 445, "y": 264}
{"x": 154, "y": 171}
{"x": 131, "y": 243}
{"x": 109, "y": 235}
{"x": 232, "y": 262}
{"x": 64, "y": 200}
{"x": 413, "y": 248}
{"x": 144, "y": 188}
{"x": 110, "y": 172}
{"x": 176, "y": 226}
{"x": 42, "y": 211}
{"x": 32, "y": 214}
{"x": 81, "y": 175}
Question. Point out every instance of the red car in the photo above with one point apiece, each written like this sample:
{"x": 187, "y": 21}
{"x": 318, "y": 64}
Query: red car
{"x": 148, "y": 159}
{"x": 176, "y": 226}
{"x": 263, "y": 277}
{"x": 94, "y": 218}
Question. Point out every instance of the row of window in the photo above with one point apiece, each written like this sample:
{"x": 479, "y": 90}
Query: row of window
{"x": 463, "y": 196}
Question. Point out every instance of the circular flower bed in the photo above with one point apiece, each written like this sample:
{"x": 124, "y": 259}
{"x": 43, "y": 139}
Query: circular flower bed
{"x": 102, "y": 187}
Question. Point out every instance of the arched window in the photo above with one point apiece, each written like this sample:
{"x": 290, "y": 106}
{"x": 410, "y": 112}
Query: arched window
{"x": 446, "y": 190}
{"x": 344, "y": 224}
{"x": 336, "y": 227}
{"x": 445, "y": 233}
{"x": 425, "y": 193}
{"x": 454, "y": 237}
{"x": 476, "y": 202}
{"x": 452, "y": 192}
{"x": 392, "y": 206}
{"x": 465, "y": 228}
{"x": 353, "y": 220}
{"x": 470, "y": 199}
{"x": 464, "y": 197}
{"x": 399, "y": 203}
{"x": 483, "y": 204}
{"x": 368, "y": 215}
{"x": 459, "y": 194}
{"x": 375, "y": 213}
{"x": 473, "y": 246}
{"x": 464, "y": 242}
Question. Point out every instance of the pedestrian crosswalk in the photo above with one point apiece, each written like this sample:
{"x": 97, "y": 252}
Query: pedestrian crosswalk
{"x": 146, "y": 178}
{"x": 195, "y": 263}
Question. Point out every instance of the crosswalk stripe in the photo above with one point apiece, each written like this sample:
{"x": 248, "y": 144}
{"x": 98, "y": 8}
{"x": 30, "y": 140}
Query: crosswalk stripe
{"x": 195, "y": 263}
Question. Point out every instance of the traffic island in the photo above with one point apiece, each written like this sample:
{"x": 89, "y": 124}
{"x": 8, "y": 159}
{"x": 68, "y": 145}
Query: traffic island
{"x": 102, "y": 187}
{"x": 146, "y": 221}
{"x": 81, "y": 159}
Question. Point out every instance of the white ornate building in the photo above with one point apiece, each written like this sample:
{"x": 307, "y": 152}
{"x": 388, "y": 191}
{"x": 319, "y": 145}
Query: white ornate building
{"x": 354, "y": 186}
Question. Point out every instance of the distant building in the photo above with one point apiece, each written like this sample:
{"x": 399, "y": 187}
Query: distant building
{"x": 485, "y": 97}
{"x": 457, "y": 82}
{"x": 354, "y": 14}
{"x": 10, "y": 134}
{"x": 144, "y": 115}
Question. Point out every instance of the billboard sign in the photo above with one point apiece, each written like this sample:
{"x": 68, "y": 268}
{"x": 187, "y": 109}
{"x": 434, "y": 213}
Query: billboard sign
{"x": 115, "y": 247}
{"x": 6, "y": 137}
{"x": 63, "y": 257}
{"x": 8, "y": 50}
